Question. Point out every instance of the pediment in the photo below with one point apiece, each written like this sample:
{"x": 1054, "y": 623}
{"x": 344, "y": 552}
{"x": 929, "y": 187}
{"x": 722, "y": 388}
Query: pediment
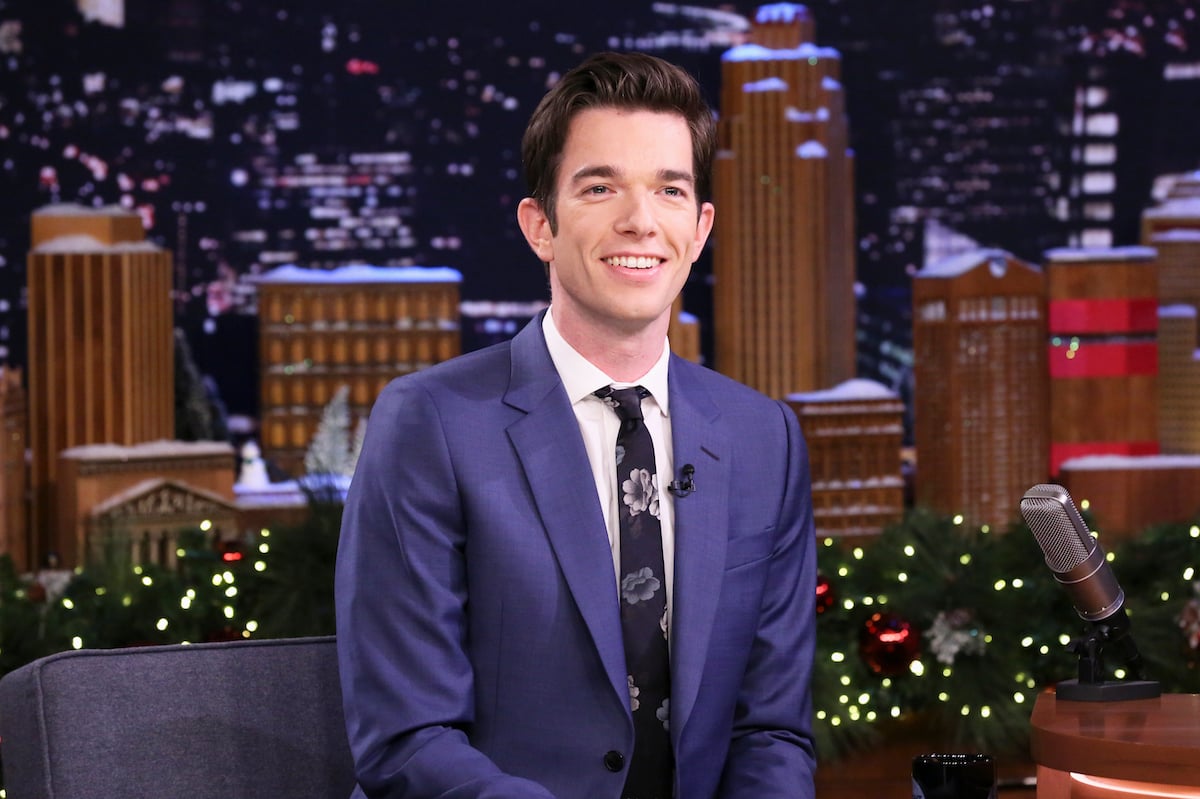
{"x": 162, "y": 499}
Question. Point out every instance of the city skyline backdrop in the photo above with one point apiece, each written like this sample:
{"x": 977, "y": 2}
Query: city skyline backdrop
{"x": 254, "y": 135}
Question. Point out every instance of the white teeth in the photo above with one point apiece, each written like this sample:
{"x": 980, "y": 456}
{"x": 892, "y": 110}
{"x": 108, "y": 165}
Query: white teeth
{"x": 632, "y": 262}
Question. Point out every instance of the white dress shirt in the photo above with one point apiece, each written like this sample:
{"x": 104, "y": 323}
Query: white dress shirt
{"x": 599, "y": 426}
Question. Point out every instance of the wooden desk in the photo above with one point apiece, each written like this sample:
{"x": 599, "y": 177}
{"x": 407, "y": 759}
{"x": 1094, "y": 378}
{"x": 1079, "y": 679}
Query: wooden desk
{"x": 1142, "y": 747}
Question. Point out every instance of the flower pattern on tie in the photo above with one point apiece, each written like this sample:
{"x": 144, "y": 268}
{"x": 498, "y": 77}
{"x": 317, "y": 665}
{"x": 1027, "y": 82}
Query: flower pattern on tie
{"x": 643, "y": 598}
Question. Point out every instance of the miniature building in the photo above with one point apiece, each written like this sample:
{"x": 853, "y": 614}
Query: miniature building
{"x": 1178, "y": 357}
{"x": 101, "y": 357}
{"x": 147, "y": 522}
{"x": 1102, "y": 319}
{"x": 854, "y": 434}
{"x": 1180, "y": 212}
{"x": 1128, "y": 494}
{"x": 359, "y": 326}
{"x": 1178, "y": 380}
{"x": 980, "y": 396}
{"x": 783, "y": 300}
{"x": 106, "y": 484}
{"x": 1178, "y": 266}
{"x": 14, "y": 527}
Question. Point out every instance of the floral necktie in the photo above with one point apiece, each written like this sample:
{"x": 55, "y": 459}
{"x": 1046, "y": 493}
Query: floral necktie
{"x": 643, "y": 599}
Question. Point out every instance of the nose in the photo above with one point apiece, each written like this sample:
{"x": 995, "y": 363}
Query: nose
{"x": 637, "y": 216}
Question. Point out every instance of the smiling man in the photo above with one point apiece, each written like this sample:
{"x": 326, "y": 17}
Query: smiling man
{"x": 574, "y": 565}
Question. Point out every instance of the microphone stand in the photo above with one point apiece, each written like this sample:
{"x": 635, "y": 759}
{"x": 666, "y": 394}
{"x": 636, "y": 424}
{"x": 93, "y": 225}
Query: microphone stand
{"x": 1091, "y": 685}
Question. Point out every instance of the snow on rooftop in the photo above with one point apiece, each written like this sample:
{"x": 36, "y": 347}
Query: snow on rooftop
{"x": 1176, "y": 206}
{"x": 812, "y": 149}
{"x": 75, "y": 209}
{"x": 1103, "y": 462}
{"x": 830, "y": 84}
{"x": 960, "y": 264}
{"x": 1177, "y": 234}
{"x": 149, "y": 449}
{"x": 1176, "y": 311}
{"x": 765, "y": 85}
{"x": 1075, "y": 254}
{"x": 78, "y": 243}
{"x": 858, "y": 388}
{"x": 362, "y": 273}
{"x": 780, "y": 12}
{"x": 756, "y": 52}
{"x": 688, "y": 318}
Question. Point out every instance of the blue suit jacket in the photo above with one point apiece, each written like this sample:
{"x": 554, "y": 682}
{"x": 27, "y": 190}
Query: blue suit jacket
{"x": 478, "y": 630}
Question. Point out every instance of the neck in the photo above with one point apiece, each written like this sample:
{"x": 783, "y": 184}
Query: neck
{"x": 625, "y": 355}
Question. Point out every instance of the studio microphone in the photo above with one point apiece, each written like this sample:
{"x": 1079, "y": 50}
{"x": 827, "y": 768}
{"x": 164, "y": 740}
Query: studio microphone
{"x": 1080, "y": 566}
{"x": 681, "y": 488}
{"x": 1075, "y": 557}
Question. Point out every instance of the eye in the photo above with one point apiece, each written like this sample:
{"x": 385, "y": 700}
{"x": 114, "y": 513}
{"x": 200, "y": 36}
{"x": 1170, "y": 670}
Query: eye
{"x": 597, "y": 190}
{"x": 673, "y": 191}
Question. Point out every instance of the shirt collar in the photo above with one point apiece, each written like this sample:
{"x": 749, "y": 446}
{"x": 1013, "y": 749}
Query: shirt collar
{"x": 580, "y": 377}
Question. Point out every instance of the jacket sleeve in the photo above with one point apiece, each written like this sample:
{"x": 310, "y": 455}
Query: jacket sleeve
{"x": 771, "y": 753}
{"x": 400, "y": 588}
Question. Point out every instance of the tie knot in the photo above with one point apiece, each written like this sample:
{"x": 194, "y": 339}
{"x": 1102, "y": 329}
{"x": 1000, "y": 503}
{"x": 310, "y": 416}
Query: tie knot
{"x": 627, "y": 402}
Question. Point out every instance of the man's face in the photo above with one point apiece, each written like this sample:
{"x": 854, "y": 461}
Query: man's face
{"x": 628, "y": 227}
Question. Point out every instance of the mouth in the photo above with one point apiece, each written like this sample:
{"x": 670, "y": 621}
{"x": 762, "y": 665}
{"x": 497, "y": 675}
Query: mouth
{"x": 633, "y": 261}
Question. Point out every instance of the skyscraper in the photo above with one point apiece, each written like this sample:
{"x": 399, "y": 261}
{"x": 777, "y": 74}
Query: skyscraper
{"x": 1102, "y": 319}
{"x": 784, "y": 237}
{"x": 14, "y": 527}
{"x": 979, "y": 329}
{"x": 101, "y": 349}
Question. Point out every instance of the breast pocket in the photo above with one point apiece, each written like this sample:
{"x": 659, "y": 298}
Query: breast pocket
{"x": 745, "y": 550}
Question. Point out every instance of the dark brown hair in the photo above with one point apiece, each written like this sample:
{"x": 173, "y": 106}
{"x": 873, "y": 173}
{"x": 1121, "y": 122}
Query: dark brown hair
{"x": 632, "y": 81}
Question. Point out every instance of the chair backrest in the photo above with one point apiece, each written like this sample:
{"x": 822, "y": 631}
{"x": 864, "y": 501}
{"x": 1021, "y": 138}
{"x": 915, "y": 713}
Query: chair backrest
{"x": 239, "y": 720}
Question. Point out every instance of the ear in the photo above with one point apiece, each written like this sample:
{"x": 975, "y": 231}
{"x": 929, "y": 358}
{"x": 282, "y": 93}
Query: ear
{"x": 704, "y": 225}
{"x": 536, "y": 228}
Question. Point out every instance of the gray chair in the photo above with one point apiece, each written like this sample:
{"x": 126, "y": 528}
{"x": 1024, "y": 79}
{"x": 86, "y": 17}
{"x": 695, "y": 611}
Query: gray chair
{"x": 241, "y": 720}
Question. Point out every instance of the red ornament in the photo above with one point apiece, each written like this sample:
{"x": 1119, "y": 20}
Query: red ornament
{"x": 888, "y": 644}
{"x": 230, "y": 551}
{"x": 36, "y": 592}
{"x": 825, "y": 594}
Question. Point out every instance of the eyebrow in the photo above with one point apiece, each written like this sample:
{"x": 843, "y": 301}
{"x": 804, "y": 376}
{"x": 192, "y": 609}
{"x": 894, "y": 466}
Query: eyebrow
{"x": 610, "y": 172}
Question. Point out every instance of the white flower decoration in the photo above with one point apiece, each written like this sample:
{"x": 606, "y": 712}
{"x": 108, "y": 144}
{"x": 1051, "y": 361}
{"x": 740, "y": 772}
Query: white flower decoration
{"x": 663, "y": 714}
{"x": 641, "y": 492}
{"x": 639, "y": 585}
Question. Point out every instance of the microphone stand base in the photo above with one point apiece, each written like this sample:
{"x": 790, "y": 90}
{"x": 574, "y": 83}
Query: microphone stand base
{"x": 1107, "y": 691}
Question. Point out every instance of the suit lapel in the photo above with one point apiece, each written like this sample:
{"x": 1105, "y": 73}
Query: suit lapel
{"x": 551, "y": 452}
{"x": 701, "y": 522}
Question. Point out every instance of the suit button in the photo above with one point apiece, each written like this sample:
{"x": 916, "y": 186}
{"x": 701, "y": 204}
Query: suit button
{"x": 614, "y": 760}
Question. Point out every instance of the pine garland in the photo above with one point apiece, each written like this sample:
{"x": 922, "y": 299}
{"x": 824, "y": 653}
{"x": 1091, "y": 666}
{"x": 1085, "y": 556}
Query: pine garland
{"x": 993, "y": 626}
{"x": 971, "y": 624}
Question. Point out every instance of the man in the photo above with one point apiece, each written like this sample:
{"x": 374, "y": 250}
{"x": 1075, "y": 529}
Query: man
{"x": 484, "y": 605}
